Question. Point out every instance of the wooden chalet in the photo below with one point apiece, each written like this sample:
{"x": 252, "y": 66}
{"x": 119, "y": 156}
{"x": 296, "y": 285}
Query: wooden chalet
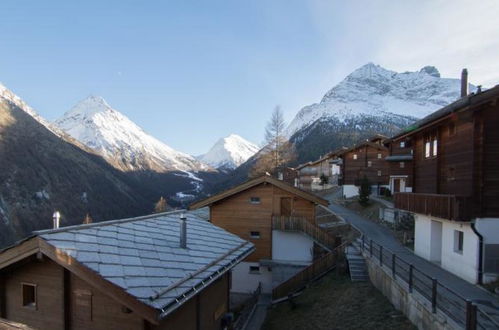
{"x": 455, "y": 185}
{"x": 309, "y": 174}
{"x": 400, "y": 165}
{"x": 252, "y": 210}
{"x": 365, "y": 159}
{"x": 138, "y": 273}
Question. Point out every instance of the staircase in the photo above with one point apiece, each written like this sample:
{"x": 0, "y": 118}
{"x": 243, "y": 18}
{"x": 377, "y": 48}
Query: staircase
{"x": 356, "y": 264}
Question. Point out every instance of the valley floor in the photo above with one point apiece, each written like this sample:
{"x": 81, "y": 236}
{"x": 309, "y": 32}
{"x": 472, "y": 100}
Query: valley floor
{"x": 335, "y": 302}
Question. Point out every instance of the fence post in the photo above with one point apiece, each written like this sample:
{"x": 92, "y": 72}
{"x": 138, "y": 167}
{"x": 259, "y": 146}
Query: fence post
{"x": 381, "y": 256}
{"x": 371, "y": 248}
{"x": 410, "y": 277}
{"x": 434, "y": 295}
{"x": 393, "y": 265}
{"x": 470, "y": 315}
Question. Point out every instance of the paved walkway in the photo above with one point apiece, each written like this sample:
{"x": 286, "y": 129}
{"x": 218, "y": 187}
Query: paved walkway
{"x": 383, "y": 236}
{"x": 258, "y": 317}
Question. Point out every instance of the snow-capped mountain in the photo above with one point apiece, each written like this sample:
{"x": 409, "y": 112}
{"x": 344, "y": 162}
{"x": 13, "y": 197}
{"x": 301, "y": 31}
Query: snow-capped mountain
{"x": 97, "y": 125}
{"x": 377, "y": 92}
{"x": 371, "y": 100}
{"x": 229, "y": 152}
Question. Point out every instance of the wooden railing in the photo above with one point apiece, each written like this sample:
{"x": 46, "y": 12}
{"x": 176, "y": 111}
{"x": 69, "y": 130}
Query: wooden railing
{"x": 308, "y": 274}
{"x": 450, "y": 207}
{"x": 287, "y": 223}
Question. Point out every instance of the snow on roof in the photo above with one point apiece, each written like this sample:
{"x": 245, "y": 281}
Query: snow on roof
{"x": 143, "y": 256}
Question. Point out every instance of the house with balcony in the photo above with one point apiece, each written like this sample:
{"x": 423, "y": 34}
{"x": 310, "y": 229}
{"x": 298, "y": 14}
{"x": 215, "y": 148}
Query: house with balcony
{"x": 279, "y": 219}
{"x": 400, "y": 165}
{"x": 328, "y": 166}
{"x": 455, "y": 185}
{"x": 367, "y": 159}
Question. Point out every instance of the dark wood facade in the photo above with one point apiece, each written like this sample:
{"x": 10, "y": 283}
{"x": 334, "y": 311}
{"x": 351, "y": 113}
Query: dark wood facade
{"x": 365, "y": 159}
{"x": 65, "y": 301}
{"x": 456, "y": 153}
{"x": 400, "y": 164}
{"x": 70, "y": 296}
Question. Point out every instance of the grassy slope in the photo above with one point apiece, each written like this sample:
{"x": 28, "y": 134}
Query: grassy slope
{"x": 335, "y": 302}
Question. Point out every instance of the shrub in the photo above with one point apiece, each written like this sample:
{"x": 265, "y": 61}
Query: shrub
{"x": 364, "y": 191}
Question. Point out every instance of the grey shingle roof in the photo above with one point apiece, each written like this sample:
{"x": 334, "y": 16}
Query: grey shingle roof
{"x": 142, "y": 255}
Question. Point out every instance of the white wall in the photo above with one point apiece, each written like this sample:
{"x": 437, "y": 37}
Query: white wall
{"x": 422, "y": 234}
{"x": 245, "y": 282}
{"x": 349, "y": 190}
{"x": 464, "y": 265}
{"x": 292, "y": 247}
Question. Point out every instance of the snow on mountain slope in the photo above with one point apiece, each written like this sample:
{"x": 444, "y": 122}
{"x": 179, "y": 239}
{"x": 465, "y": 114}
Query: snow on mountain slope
{"x": 229, "y": 152}
{"x": 16, "y": 100}
{"x": 124, "y": 144}
{"x": 374, "y": 91}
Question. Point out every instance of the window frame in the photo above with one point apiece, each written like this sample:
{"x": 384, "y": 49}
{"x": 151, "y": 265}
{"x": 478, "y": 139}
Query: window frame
{"x": 255, "y": 200}
{"x": 355, "y": 157}
{"x": 458, "y": 241}
{"x": 402, "y": 144}
{"x": 254, "y": 270}
{"x": 369, "y": 163}
{"x": 379, "y": 173}
{"x": 402, "y": 164}
{"x": 34, "y": 304}
{"x": 255, "y": 234}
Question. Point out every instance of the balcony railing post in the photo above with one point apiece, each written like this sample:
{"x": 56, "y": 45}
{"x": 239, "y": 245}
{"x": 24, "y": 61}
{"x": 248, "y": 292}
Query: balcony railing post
{"x": 470, "y": 315}
{"x": 381, "y": 256}
{"x": 434, "y": 295}
{"x": 410, "y": 277}
{"x": 393, "y": 265}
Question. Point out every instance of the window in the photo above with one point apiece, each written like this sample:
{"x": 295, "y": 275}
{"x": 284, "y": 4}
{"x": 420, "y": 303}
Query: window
{"x": 379, "y": 173}
{"x": 354, "y": 156}
{"x": 402, "y": 144}
{"x": 451, "y": 174}
{"x": 254, "y": 270}
{"x": 29, "y": 295}
{"x": 452, "y": 129}
{"x": 435, "y": 147}
{"x": 255, "y": 234}
{"x": 280, "y": 176}
{"x": 427, "y": 149}
{"x": 458, "y": 241}
{"x": 379, "y": 156}
{"x": 402, "y": 165}
{"x": 255, "y": 200}
{"x": 369, "y": 163}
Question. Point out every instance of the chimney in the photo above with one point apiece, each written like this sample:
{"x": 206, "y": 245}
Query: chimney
{"x": 183, "y": 231}
{"x": 464, "y": 83}
{"x": 56, "y": 217}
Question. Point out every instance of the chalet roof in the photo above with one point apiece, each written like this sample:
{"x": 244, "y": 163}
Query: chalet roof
{"x": 142, "y": 256}
{"x": 363, "y": 144}
{"x": 461, "y": 104}
{"x": 321, "y": 159}
{"x": 254, "y": 182}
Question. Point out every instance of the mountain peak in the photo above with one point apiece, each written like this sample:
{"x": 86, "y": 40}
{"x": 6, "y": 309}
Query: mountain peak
{"x": 430, "y": 70}
{"x": 91, "y": 105}
{"x": 229, "y": 152}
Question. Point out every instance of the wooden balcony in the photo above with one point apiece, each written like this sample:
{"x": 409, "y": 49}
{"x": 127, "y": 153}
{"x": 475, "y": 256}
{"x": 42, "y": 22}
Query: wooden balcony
{"x": 451, "y": 207}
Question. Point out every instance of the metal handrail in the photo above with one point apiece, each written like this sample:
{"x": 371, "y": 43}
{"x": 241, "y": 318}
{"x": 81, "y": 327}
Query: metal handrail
{"x": 471, "y": 320}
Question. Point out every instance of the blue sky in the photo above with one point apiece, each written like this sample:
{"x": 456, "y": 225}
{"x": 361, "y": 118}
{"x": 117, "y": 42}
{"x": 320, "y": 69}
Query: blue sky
{"x": 190, "y": 72}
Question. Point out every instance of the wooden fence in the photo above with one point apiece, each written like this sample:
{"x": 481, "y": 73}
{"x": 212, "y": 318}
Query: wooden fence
{"x": 286, "y": 223}
{"x": 310, "y": 273}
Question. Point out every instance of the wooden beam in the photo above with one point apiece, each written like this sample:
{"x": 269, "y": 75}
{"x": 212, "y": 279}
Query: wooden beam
{"x": 67, "y": 298}
{"x": 115, "y": 292}
{"x": 18, "y": 252}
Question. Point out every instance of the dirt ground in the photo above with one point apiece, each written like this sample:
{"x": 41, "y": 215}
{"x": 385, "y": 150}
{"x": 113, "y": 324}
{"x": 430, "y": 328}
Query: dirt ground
{"x": 334, "y": 302}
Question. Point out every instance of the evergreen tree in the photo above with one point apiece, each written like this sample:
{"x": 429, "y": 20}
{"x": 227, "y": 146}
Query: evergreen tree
{"x": 364, "y": 191}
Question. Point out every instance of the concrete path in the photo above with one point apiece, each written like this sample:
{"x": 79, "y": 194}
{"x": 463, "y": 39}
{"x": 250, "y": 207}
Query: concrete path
{"x": 383, "y": 236}
{"x": 258, "y": 317}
